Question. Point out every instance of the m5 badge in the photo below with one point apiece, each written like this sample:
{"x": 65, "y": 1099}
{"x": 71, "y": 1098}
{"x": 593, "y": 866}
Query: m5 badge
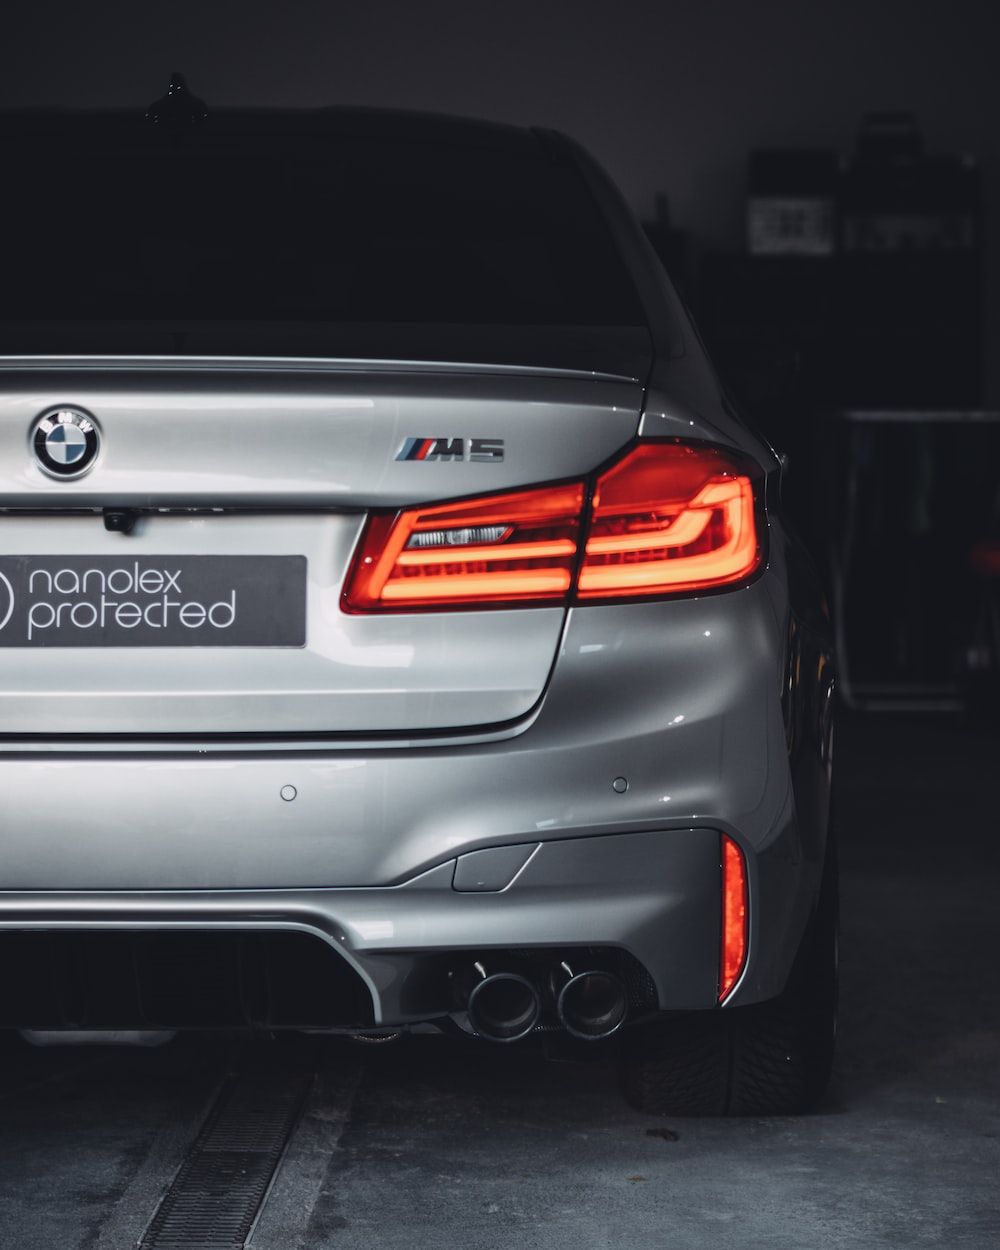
{"x": 483, "y": 450}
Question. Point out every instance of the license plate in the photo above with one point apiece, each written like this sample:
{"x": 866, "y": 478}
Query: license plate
{"x": 152, "y": 601}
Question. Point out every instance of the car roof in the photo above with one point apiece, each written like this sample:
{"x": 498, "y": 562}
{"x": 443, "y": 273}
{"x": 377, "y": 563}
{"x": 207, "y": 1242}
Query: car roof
{"x": 342, "y": 120}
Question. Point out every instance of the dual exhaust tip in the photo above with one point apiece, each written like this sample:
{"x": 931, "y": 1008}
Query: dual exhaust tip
{"x": 505, "y": 1006}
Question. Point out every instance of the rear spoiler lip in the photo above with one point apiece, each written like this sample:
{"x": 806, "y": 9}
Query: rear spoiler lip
{"x": 293, "y": 364}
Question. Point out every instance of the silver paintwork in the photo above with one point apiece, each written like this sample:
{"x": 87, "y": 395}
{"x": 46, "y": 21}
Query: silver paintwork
{"x": 293, "y": 364}
{"x": 356, "y": 674}
{"x": 321, "y": 440}
{"x": 682, "y": 698}
{"x": 306, "y": 438}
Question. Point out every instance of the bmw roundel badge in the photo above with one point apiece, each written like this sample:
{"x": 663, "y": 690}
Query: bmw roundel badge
{"x": 65, "y": 442}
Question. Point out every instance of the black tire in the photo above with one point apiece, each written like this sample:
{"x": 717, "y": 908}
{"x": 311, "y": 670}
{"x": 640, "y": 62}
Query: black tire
{"x": 771, "y": 1058}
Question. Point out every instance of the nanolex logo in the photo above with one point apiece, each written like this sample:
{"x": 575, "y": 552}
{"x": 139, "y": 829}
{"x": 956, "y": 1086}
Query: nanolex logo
{"x": 73, "y": 599}
{"x": 157, "y": 601}
{"x": 6, "y": 600}
{"x": 481, "y": 450}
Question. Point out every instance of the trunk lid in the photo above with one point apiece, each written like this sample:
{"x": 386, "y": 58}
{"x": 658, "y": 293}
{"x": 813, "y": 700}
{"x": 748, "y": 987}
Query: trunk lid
{"x": 248, "y": 477}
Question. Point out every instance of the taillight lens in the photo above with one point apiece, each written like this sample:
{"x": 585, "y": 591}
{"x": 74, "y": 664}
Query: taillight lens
{"x": 668, "y": 518}
{"x": 513, "y": 548}
{"x": 734, "y": 917}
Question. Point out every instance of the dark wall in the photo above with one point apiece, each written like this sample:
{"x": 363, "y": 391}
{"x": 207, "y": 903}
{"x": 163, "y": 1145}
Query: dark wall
{"x": 670, "y": 96}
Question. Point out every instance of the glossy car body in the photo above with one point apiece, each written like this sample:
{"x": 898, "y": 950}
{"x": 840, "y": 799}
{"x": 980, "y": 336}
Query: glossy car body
{"x": 420, "y": 792}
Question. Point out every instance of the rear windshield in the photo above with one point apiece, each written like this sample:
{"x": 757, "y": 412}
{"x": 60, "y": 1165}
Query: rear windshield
{"x": 313, "y": 228}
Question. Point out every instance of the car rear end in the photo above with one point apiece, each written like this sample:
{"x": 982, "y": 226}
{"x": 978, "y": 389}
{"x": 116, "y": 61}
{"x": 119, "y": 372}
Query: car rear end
{"x": 398, "y": 627}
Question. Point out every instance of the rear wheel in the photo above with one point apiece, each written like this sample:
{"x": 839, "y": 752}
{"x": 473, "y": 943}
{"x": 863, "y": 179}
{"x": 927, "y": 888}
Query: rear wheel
{"x": 771, "y": 1058}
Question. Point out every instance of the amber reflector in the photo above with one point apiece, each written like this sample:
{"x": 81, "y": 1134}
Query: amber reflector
{"x": 734, "y": 917}
{"x": 512, "y": 548}
{"x": 670, "y": 518}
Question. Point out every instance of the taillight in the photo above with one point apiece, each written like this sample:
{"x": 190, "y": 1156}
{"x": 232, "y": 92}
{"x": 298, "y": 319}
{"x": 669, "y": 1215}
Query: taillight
{"x": 733, "y": 952}
{"x": 513, "y": 548}
{"x": 668, "y": 518}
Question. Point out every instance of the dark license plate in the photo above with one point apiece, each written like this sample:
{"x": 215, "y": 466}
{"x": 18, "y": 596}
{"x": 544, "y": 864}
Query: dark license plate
{"x": 152, "y": 601}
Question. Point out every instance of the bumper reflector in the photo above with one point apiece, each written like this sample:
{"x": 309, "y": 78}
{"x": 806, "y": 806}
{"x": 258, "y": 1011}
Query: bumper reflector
{"x": 734, "y": 917}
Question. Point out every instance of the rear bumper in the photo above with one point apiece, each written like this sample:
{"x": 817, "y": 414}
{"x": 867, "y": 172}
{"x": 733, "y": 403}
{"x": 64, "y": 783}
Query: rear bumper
{"x": 680, "y": 700}
{"x": 654, "y": 895}
{"x": 651, "y": 897}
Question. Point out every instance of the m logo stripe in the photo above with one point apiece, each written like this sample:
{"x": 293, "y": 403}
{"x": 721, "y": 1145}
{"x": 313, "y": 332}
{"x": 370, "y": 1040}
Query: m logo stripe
{"x": 415, "y": 449}
{"x": 483, "y": 450}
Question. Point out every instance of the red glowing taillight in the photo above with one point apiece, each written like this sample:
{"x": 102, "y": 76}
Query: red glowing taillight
{"x": 668, "y": 518}
{"x": 733, "y": 951}
{"x": 514, "y": 548}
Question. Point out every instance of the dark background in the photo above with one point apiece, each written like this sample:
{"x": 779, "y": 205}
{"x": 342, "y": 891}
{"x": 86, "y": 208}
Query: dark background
{"x": 671, "y": 97}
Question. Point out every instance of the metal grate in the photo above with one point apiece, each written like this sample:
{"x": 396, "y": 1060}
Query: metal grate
{"x": 221, "y": 1185}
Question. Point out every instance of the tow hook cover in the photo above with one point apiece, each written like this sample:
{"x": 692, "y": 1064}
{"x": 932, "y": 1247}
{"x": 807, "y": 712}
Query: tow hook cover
{"x": 492, "y": 869}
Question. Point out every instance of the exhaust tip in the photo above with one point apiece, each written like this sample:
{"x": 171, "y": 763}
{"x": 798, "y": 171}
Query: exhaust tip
{"x": 504, "y": 1007}
{"x": 592, "y": 1005}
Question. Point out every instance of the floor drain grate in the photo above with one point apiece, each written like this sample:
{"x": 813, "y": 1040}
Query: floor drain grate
{"x": 218, "y": 1191}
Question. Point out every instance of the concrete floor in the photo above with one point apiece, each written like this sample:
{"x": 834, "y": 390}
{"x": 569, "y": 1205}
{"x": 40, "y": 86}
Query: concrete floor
{"x": 429, "y": 1143}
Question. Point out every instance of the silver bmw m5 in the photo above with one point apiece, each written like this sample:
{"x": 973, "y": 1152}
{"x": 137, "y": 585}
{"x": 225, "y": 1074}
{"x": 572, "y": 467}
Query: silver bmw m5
{"x": 399, "y": 627}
